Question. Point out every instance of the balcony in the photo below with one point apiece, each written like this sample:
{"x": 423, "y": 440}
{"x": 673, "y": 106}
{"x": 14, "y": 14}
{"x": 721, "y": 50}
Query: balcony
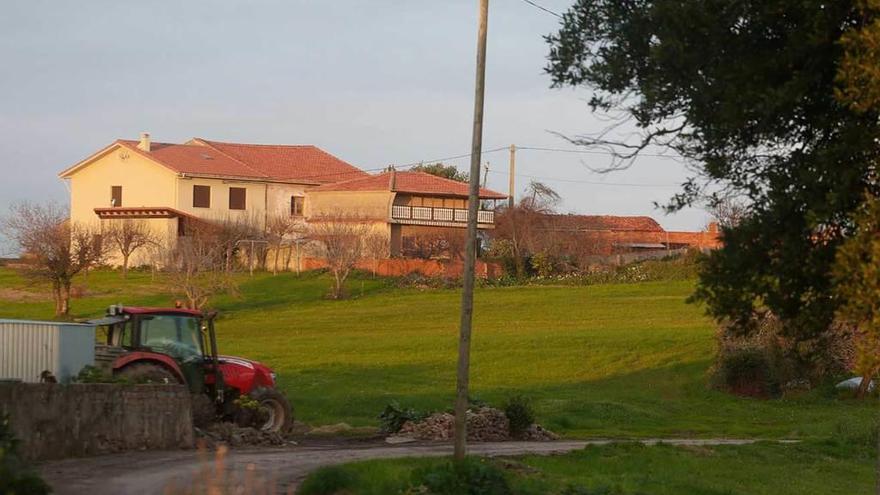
{"x": 439, "y": 216}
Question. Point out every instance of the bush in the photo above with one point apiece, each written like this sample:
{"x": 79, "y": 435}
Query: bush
{"x": 520, "y": 413}
{"x": 748, "y": 372}
{"x": 544, "y": 264}
{"x": 469, "y": 477}
{"x": 328, "y": 481}
{"x": 15, "y": 476}
{"x": 394, "y": 416}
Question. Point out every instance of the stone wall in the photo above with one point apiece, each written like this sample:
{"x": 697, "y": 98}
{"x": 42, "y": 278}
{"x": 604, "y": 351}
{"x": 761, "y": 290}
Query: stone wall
{"x": 55, "y": 421}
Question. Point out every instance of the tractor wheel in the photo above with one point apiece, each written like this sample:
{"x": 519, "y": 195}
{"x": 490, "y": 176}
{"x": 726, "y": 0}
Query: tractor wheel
{"x": 148, "y": 373}
{"x": 280, "y": 414}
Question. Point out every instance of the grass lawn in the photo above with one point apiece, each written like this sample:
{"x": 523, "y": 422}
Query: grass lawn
{"x": 606, "y": 360}
{"x": 840, "y": 468}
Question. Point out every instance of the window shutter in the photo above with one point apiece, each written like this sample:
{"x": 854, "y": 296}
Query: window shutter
{"x": 237, "y": 198}
{"x": 201, "y": 196}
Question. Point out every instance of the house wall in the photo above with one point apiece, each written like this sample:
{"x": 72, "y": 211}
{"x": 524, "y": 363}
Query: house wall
{"x": 261, "y": 199}
{"x": 366, "y": 205}
{"x": 144, "y": 183}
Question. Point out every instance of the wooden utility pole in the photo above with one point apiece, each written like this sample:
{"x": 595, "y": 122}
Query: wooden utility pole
{"x": 511, "y": 185}
{"x": 470, "y": 252}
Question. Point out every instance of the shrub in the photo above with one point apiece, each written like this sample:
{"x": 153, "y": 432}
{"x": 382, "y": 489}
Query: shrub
{"x": 328, "y": 481}
{"x": 95, "y": 374}
{"x": 544, "y": 264}
{"x": 748, "y": 372}
{"x": 520, "y": 413}
{"x": 757, "y": 358}
{"x": 469, "y": 477}
{"x": 15, "y": 475}
{"x": 391, "y": 419}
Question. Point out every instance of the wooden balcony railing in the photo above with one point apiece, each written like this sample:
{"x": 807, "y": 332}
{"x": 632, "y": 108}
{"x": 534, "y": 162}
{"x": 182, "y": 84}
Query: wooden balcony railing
{"x": 427, "y": 213}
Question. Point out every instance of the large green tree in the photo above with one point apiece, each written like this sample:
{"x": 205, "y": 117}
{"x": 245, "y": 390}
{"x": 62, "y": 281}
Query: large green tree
{"x": 750, "y": 94}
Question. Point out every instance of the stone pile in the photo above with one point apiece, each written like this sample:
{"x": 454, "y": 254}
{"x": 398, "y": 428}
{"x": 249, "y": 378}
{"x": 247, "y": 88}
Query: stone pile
{"x": 237, "y": 436}
{"x": 484, "y": 424}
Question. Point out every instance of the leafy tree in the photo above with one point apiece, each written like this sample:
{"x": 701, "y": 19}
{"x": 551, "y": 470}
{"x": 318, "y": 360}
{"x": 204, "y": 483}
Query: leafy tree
{"x": 441, "y": 170}
{"x": 748, "y": 94}
{"x": 857, "y": 273}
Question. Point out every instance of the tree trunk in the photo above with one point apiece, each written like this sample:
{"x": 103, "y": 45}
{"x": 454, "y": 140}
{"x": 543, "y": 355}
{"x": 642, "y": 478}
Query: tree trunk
{"x": 65, "y": 299}
{"x": 56, "y": 295}
{"x": 125, "y": 265}
{"x": 275, "y": 262}
{"x": 864, "y": 385}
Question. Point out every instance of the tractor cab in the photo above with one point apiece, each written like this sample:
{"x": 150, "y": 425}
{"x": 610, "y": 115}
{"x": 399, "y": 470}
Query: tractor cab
{"x": 168, "y": 344}
{"x": 175, "y": 345}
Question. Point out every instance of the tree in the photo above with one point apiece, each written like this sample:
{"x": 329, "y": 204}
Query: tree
{"x": 128, "y": 236}
{"x": 339, "y": 240}
{"x": 524, "y": 226}
{"x": 377, "y": 246}
{"x": 748, "y": 95}
{"x": 857, "y": 277}
{"x": 441, "y": 170}
{"x": 197, "y": 265}
{"x": 728, "y": 211}
{"x": 279, "y": 228}
{"x": 55, "y": 250}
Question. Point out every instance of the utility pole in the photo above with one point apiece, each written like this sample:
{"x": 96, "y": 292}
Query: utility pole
{"x": 470, "y": 252}
{"x": 511, "y": 185}
{"x": 485, "y": 174}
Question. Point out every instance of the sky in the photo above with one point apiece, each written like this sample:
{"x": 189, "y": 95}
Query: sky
{"x": 375, "y": 82}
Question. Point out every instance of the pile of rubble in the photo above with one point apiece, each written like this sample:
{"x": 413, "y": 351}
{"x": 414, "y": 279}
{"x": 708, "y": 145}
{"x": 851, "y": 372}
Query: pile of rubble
{"x": 485, "y": 424}
{"x": 236, "y": 436}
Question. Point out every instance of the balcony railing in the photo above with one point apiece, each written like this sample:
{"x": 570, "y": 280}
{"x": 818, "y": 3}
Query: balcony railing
{"x": 427, "y": 213}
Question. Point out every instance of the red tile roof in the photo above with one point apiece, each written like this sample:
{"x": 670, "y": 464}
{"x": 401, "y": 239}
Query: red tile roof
{"x": 606, "y": 222}
{"x": 287, "y": 163}
{"x": 409, "y": 182}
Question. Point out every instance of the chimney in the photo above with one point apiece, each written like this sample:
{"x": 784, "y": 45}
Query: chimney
{"x": 144, "y": 144}
{"x": 392, "y": 180}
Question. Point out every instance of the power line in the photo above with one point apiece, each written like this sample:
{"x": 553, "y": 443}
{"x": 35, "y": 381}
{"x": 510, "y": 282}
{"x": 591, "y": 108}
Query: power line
{"x": 545, "y": 9}
{"x": 579, "y": 181}
{"x": 591, "y": 152}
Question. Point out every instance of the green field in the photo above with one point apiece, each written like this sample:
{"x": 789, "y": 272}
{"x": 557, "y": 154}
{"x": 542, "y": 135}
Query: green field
{"x": 606, "y": 360}
{"x": 826, "y": 468}
{"x": 626, "y": 360}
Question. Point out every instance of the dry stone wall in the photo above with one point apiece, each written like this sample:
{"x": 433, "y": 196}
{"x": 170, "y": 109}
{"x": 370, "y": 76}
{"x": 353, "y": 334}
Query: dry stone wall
{"x": 55, "y": 421}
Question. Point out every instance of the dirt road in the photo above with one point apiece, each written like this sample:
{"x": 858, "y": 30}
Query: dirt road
{"x": 151, "y": 472}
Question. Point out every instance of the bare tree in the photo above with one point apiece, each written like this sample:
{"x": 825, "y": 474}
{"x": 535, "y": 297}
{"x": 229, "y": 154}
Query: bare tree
{"x": 377, "y": 247}
{"x": 196, "y": 265}
{"x": 339, "y": 240}
{"x": 229, "y": 233}
{"x": 279, "y": 228}
{"x": 128, "y": 236}
{"x": 55, "y": 249}
{"x": 434, "y": 243}
{"x": 524, "y": 225}
{"x": 728, "y": 211}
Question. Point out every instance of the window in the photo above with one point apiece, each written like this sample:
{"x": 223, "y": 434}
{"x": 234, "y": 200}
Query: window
{"x": 237, "y": 198}
{"x": 296, "y": 206}
{"x": 175, "y": 335}
{"x": 116, "y": 196}
{"x": 201, "y": 196}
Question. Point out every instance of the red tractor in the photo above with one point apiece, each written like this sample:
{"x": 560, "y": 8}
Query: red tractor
{"x": 172, "y": 345}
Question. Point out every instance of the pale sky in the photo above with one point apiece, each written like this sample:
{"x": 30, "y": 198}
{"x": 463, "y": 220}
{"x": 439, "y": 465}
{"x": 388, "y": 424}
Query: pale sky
{"x": 374, "y": 82}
